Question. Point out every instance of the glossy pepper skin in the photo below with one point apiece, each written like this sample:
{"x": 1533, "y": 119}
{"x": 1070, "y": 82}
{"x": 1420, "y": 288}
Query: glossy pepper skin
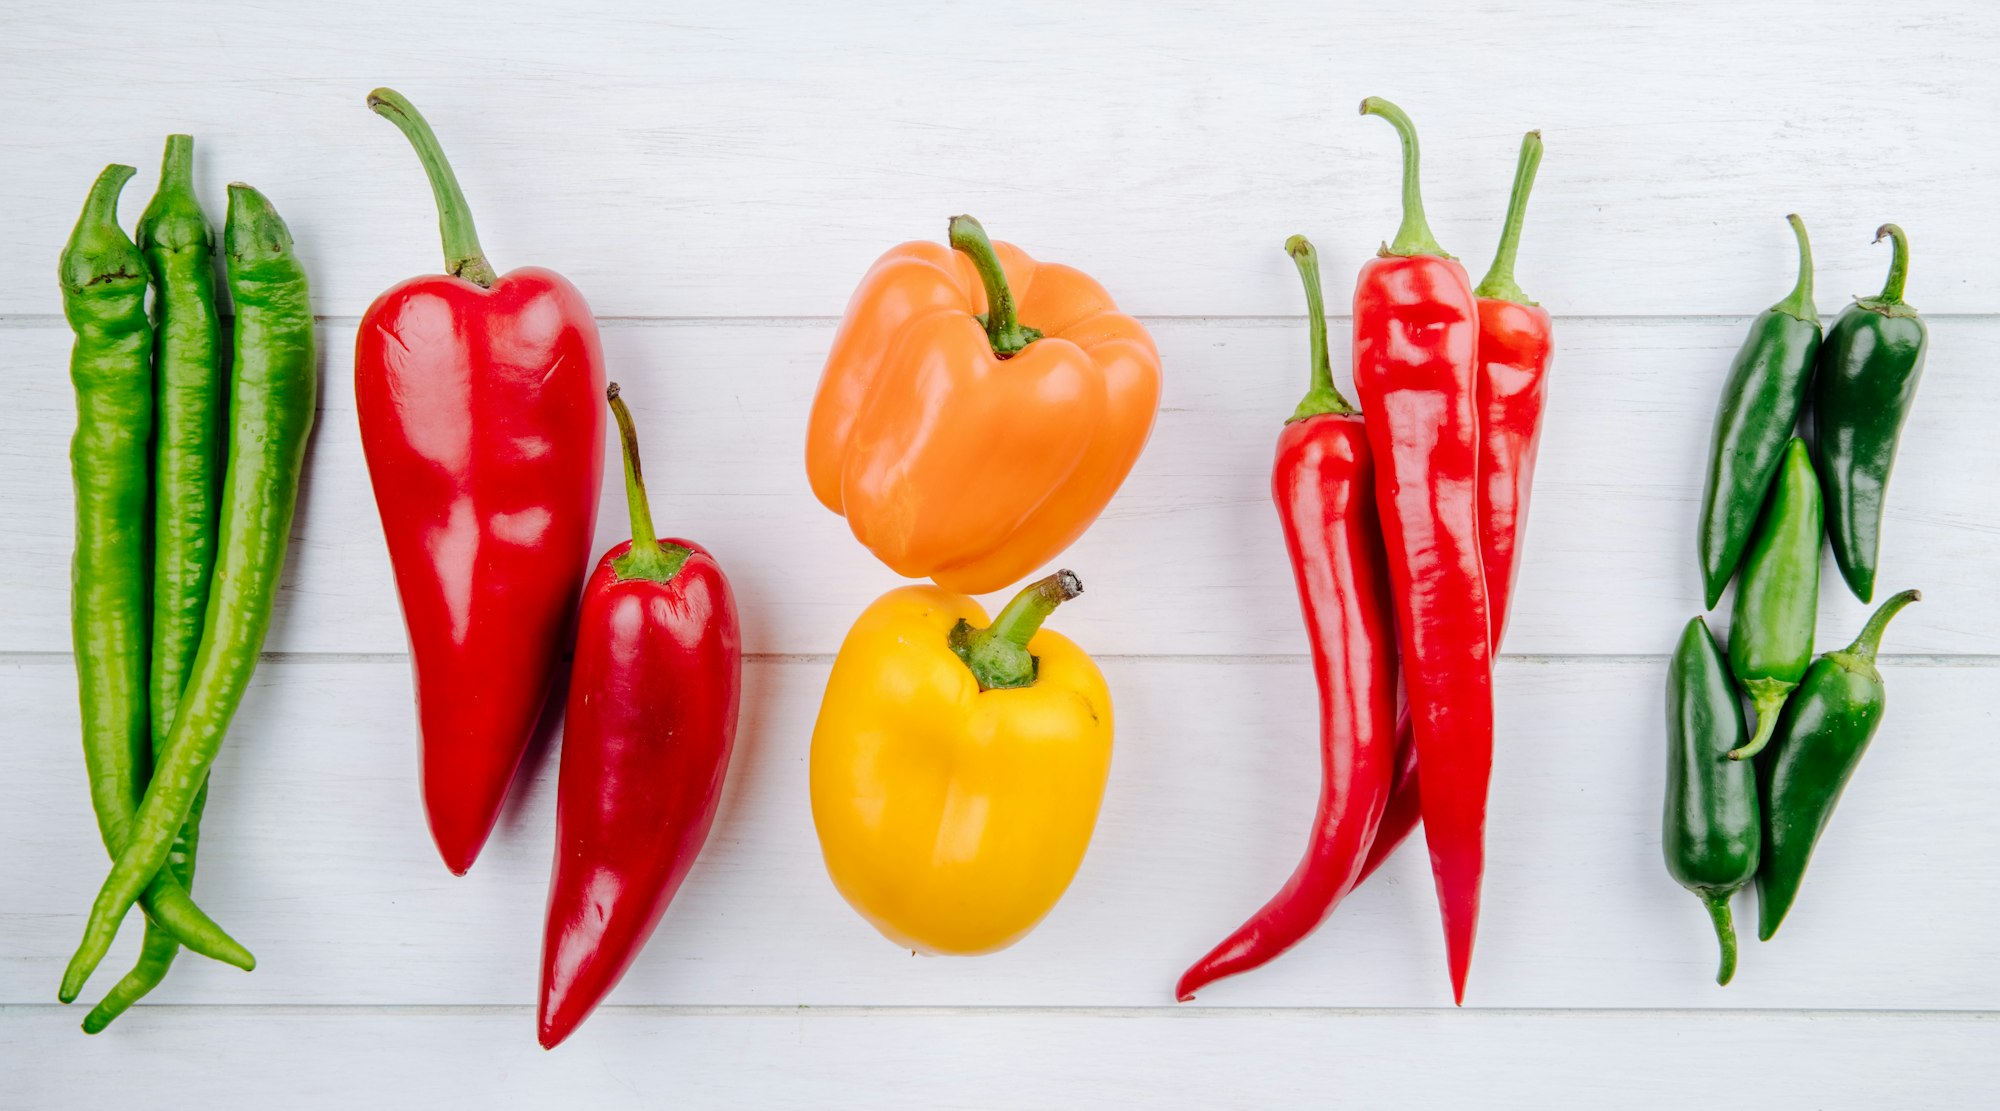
{"x": 1759, "y": 408}
{"x": 1710, "y": 833}
{"x": 978, "y": 410}
{"x": 1416, "y": 333}
{"x": 1516, "y": 349}
{"x": 1323, "y": 482}
{"x": 1869, "y": 367}
{"x": 957, "y": 770}
{"x": 480, "y": 402}
{"x": 1826, "y": 731}
{"x": 653, "y": 698}
{"x": 1777, "y": 604}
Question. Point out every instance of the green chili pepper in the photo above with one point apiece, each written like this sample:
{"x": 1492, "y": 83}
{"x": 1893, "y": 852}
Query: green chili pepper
{"x": 1777, "y": 603}
{"x": 1760, "y": 407}
{"x": 1826, "y": 730}
{"x": 187, "y": 372}
{"x": 1711, "y": 831}
{"x": 1867, "y": 378}
{"x": 104, "y": 297}
{"x": 273, "y": 384}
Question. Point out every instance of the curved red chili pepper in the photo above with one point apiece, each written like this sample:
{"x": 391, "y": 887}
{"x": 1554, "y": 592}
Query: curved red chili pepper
{"x": 1323, "y": 482}
{"x": 1416, "y": 333}
{"x": 478, "y": 401}
{"x": 652, "y": 719}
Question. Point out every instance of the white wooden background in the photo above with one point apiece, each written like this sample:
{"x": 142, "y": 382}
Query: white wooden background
{"x": 716, "y": 178}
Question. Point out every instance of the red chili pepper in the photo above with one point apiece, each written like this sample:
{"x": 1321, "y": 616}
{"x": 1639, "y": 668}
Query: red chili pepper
{"x": 652, "y": 719}
{"x": 1416, "y": 334}
{"x": 1516, "y": 344}
{"x": 480, "y": 420}
{"x": 1324, "y": 484}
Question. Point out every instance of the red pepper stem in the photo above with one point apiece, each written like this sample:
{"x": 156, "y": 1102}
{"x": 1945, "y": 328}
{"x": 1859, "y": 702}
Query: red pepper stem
{"x": 462, "y": 255}
{"x": 1899, "y": 267}
{"x": 1499, "y": 284}
{"x": 1003, "y": 328}
{"x": 1870, "y": 641}
{"x": 998, "y": 655}
{"x": 1799, "y": 303}
{"x": 1414, "y": 236}
{"x": 1322, "y": 397}
{"x": 648, "y": 558}
{"x": 1725, "y": 934}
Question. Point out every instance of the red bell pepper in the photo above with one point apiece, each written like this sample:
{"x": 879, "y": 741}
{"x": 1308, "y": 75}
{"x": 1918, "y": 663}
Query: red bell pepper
{"x": 652, "y": 718}
{"x": 1324, "y": 484}
{"x": 478, "y": 397}
{"x": 1516, "y": 345}
{"x": 1416, "y": 334}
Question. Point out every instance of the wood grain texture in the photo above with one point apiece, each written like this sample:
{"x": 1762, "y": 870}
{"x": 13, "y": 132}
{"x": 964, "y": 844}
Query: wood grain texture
{"x": 752, "y": 159}
{"x": 1186, "y": 560}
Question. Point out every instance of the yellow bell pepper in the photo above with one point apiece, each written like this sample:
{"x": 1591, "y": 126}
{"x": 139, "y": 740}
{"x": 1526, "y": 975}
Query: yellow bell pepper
{"x": 957, "y": 769}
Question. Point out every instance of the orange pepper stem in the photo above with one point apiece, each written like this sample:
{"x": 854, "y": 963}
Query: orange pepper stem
{"x": 1322, "y": 397}
{"x": 1007, "y": 334}
{"x": 998, "y": 655}
{"x": 648, "y": 558}
{"x": 462, "y": 255}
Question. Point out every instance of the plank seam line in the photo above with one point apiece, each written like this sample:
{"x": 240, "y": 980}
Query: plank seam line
{"x": 55, "y": 320}
{"x": 1180, "y": 1013}
{"x": 1532, "y": 659}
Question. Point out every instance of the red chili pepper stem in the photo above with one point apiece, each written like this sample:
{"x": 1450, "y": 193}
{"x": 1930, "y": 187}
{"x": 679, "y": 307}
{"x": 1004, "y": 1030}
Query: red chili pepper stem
{"x": 1414, "y": 236}
{"x": 1499, "y": 284}
{"x": 1800, "y": 303}
{"x": 998, "y": 655}
{"x": 1008, "y": 334}
{"x": 1890, "y": 300}
{"x": 1323, "y": 397}
{"x": 462, "y": 255}
{"x": 647, "y": 558}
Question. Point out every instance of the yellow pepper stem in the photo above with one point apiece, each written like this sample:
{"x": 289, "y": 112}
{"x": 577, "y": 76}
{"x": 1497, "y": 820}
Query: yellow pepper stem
{"x": 998, "y": 655}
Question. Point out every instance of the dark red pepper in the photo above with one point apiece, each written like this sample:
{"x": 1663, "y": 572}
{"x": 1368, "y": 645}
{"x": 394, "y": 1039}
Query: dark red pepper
{"x": 479, "y": 402}
{"x": 1324, "y": 485}
{"x": 1416, "y": 333}
{"x": 652, "y": 718}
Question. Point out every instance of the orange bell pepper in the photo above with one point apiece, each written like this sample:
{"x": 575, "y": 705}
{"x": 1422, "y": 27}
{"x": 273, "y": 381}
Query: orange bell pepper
{"x": 978, "y": 410}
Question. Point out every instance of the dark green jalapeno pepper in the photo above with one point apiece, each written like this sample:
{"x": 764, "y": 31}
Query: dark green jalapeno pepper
{"x": 1826, "y": 730}
{"x": 1760, "y": 407}
{"x": 1867, "y": 378}
{"x": 1711, "y": 832}
{"x": 1777, "y": 603}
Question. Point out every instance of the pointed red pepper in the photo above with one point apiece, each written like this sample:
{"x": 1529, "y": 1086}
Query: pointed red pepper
{"x": 652, "y": 718}
{"x": 479, "y": 401}
{"x": 1416, "y": 335}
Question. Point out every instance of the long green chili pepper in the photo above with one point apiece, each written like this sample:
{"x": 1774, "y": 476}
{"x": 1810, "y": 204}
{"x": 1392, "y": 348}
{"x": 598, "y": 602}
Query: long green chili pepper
{"x": 1826, "y": 730}
{"x": 1867, "y": 378}
{"x": 1777, "y": 603}
{"x": 1710, "y": 836}
{"x": 273, "y": 385}
{"x": 1760, "y": 407}
{"x": 103, "y": 279}
{"x": 187, "y": 371}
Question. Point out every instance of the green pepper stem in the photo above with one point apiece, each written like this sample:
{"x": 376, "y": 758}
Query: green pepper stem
{"x": 1499, "y": 284}
{"x": 998, "y": 655}
{"x": 1870, "y": 641}
{"x": 1799, "y": 303}
{"x": 99, "y": 250}
{"x": 1767, "y": 698}
{"x": 1414, "y": 236}
{"x": 1323, "y": 396}
{"x": 1899, "y": 264}
{"x": 1003, "y": 328}
{"x": 1725, "y": 934}
{"x": 647, "y": 559}
{"x": 462, "y": 255}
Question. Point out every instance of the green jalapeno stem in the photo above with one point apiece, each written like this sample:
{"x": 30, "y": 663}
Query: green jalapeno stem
{"x": 1869, "y": 641}
{"x": 647, "y": 558}
{"x": 1725, "y": 934}
{"x": 1414, "y": 236}
{"x": 1323, "y": 396}
{"x": 998, "y": 655}
{"x": 1799, "y": 303}
{"x": 1003, "y": 328}
{"x": 1890, "y": 301}
{"x": 1499, "y": 284}
{"x": 462, "y": 255}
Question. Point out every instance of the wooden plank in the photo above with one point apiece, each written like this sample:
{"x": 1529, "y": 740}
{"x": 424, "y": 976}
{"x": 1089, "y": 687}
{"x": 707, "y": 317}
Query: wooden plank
{"x": 1186, "y": 560}
{"x": 688, "y": 160}
{"x": 305, "y": 1059}
{"x": 315, "y": 853}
